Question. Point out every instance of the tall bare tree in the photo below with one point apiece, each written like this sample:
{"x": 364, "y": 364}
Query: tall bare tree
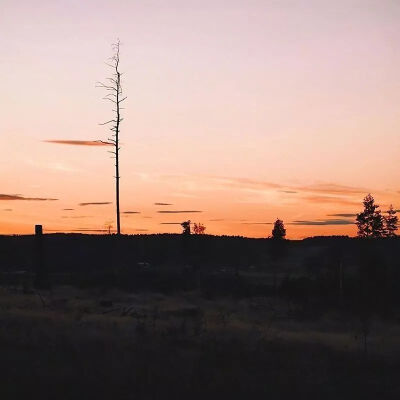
{"x": 114, "y": 95}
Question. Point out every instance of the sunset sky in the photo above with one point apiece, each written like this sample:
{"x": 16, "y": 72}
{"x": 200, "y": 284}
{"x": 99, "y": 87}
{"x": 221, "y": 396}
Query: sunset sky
{"x": 238, "y": 112}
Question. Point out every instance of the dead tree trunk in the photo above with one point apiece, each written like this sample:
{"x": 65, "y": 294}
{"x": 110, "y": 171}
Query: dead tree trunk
{"x": 114, "y": 89}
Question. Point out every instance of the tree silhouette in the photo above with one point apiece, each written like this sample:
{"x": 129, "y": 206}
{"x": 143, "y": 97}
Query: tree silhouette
{"x": 186, "y": 227}
{"x": 199, "y": 228}
{"x": 277, "y": 251}
{"x": 391, "y": 221}
{"x": 114, "y": 95}
{"x": 279, "y": 231}
{"x": 370, "y": 221}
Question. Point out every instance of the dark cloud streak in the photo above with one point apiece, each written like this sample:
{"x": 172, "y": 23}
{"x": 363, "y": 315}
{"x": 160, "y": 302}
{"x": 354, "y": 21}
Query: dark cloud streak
{"x": 323, "y": 222}
{"x": 96, "y": 203}
{"x": 76, "y": 230}
{"x": 14, "y": 197}
{"x": 76, "y": 216}
{"x": 342, "y": 215}
{"x": 179, "y": 212}
{"x": 331, "y": 199}
{"x": 257, "y": 223}
{"x": 80, "y": 142}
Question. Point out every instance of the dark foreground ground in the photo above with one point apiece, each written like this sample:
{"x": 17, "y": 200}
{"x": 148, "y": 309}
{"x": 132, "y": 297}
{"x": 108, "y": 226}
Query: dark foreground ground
{"x": 73, "y": 344}
{"x": 316, "y": 319}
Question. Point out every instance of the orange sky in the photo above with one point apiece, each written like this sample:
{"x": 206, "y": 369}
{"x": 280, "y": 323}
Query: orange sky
{"x": 245, "y": 113}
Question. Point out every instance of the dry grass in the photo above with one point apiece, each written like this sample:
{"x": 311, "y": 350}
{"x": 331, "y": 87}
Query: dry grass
{"x": 90, "y": 344}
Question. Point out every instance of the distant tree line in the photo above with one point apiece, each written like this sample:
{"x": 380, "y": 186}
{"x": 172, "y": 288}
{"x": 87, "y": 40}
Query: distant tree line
{"x": 370, "y": 223}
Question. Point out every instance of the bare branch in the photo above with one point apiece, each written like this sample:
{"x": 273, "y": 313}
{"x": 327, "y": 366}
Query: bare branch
{"x": 113, "y": 80}
{"x": 112, "y": 101}
{"x": 102, "y": 141}
{"x": 102, "y": 85}
{"x": 111, "y": 120}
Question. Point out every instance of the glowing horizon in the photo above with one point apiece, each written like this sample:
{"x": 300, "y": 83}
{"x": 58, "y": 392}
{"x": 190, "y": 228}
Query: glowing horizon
{"x": 235, "y": 115}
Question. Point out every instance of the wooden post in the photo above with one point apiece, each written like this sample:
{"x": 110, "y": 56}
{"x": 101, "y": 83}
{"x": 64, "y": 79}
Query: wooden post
{"x": 38, "y": 230}
{"x": 41, "y": 276}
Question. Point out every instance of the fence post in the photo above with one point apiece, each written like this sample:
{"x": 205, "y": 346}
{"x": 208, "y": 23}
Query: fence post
{"x": 41, "y": 275}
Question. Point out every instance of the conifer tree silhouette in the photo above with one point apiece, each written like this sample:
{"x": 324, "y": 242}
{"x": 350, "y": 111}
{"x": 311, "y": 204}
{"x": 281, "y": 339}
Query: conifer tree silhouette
{"x": 370, "y": 221}
{"x": 279, "y": 231}
{"x": 391, "y": 221}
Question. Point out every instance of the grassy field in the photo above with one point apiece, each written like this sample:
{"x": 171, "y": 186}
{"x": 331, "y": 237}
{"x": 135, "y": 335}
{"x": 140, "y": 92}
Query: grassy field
{"x": 70, "y": 343}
